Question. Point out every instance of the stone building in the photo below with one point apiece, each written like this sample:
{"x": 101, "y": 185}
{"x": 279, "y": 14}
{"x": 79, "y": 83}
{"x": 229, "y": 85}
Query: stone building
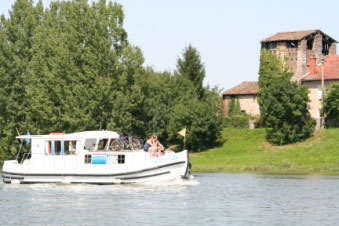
{"x": 310, "y": 54}
{"x": 298, "y": 46}
{"x": 328, "y": 71}
{"x": 246, "y": 93}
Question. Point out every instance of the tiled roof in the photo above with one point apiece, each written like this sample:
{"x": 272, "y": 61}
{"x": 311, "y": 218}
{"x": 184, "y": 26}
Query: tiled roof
{"x": 243, "y": 89}
{"x": 331, "y": 70}
{"x": 293, "y": 35}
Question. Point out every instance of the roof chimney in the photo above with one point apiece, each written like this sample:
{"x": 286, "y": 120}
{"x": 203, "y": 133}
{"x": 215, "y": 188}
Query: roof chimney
{"x": 313, "y": 65}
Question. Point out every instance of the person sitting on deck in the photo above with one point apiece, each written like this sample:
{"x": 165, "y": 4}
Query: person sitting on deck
{"x": 153, "y": 146}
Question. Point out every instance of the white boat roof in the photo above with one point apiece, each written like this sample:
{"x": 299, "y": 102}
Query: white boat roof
{"x": 74, "y": 136}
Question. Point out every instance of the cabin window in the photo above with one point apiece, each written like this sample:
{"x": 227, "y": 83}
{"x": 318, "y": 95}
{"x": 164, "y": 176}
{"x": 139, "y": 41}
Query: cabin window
{"x": 72, "y": 146}
{"x": 90, "y": 144}
{"x": 54, "y": 147}
{"x": 88, "y": 159}
{"x": 58, "y": 147}
{"x": 103, "y": 144}
{"x": 121, "y": 159}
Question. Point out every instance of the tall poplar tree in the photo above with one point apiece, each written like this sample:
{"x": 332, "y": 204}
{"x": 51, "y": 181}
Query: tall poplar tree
{"x": 191, "y": 67}
{"x": 271, "y": 67}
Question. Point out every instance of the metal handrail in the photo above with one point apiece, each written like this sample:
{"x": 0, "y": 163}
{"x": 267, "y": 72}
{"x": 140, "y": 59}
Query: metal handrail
{"x": 26, "y": 155}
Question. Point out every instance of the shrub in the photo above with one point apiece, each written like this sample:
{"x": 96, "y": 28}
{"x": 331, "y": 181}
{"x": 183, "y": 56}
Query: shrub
{"x": 234, "y": 107}
{"x": 287, "y": 116}
{"x": 331, "y": 105}
{"x": 239, "y": 121}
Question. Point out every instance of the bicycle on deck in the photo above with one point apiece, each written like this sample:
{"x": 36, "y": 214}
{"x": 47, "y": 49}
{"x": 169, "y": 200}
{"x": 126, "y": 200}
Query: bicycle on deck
{"x": 126, "y": 143}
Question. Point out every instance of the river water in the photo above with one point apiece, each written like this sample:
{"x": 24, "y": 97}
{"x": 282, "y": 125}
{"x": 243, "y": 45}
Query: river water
{"x": 208, "y": 199}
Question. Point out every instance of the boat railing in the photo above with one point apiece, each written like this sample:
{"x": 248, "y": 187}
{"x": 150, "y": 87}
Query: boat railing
{"x": 27, "y": 155}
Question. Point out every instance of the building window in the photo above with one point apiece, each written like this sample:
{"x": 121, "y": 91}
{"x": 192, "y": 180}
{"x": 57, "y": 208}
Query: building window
{"x": 272, "y": 45}
{"x": 325, "y": 48}
{"x": 292, "y": 44}
{"x": 310, "y": 44}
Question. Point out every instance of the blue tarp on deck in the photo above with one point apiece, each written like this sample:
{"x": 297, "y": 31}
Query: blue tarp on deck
{"x": 99, "y": 159}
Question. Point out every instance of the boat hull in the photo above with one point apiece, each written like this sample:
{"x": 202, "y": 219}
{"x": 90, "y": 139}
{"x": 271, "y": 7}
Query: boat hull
{"x": 166, "y": 168}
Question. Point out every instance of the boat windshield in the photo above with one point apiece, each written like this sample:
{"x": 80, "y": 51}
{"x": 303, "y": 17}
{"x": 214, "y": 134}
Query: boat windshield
{"x": 90, "y": 144}
{"x": 97, "y": 144}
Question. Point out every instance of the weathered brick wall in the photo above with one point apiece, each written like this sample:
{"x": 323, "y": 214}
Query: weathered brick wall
{"x": 301, "y": 61}
{"x": 292, "y": 54}
{"x": 333, "y": 49}
{"x": 318, "y": 47}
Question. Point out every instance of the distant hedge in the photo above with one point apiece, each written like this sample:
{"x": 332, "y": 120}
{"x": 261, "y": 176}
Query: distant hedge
{"x": 239, "y": 121}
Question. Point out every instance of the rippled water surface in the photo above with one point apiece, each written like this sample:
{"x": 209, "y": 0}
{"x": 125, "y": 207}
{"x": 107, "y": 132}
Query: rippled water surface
{"x": 209, "y": 199}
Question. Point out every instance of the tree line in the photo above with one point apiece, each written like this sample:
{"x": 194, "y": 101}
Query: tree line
{"x": 70, "y": 67}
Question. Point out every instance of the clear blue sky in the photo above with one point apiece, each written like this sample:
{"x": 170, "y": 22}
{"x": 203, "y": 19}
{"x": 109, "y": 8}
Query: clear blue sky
{"x": 226, "y": 33}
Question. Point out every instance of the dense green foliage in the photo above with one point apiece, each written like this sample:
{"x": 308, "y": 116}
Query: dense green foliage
{"x": 331, "y": 102}
{"x": 288, "y": 119}
{"x": 248, "y": 151}
{"x": 234, "y": 107}
{"x": 271, "y": 67}
{"x": 237, "y": 121}
{"x": 70, "y": 67}
{"x": 16, "y": 41}
{"x": 235, "y": 118}
{"x": 283, "y": 104}
{"x": 191, "y": 67}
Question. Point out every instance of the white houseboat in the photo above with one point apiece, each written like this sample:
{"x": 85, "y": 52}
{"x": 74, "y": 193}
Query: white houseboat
{"x": 89, "y": 157}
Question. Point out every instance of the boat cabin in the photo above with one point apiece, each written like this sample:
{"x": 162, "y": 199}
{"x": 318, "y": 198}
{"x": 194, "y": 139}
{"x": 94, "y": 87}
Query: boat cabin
{"x": 68, "y": 144}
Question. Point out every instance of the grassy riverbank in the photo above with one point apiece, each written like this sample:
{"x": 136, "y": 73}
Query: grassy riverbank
{"x": 247, "y": 151}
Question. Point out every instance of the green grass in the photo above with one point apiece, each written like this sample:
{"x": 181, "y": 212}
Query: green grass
{"x": 248, "y": 151}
